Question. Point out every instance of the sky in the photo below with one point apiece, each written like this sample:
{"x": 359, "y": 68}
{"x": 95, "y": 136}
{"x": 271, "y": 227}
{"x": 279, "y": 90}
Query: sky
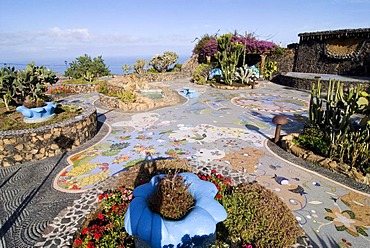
{"x": 49, "y": 29}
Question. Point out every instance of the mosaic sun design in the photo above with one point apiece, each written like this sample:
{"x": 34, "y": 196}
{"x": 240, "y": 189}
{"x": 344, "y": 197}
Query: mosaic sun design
{"x": 270, "y": 103}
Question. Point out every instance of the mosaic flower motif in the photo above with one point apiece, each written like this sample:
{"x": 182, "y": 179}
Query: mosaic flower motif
{"x": 345, "y": 221}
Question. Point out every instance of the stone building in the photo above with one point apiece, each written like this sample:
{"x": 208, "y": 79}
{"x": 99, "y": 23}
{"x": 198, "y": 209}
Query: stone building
{"x": 342, "y": 52}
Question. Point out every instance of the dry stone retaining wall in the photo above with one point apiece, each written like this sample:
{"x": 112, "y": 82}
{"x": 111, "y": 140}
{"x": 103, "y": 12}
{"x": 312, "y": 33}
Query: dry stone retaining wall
{"x": 81, "y": 88}
{"x": 17, "y": 146}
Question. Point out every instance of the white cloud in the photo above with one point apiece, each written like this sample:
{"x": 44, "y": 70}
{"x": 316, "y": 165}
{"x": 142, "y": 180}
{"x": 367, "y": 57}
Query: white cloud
{"x": 69, "y": 35}
{"x": 57, "y": 41}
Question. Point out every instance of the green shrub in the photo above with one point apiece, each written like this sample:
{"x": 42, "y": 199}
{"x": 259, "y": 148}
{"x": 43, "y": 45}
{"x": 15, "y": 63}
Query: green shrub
{"x": 264, "y": 222}
{"x": 314, "y": 139}
{"x": 201, "y": 73}
{"x": 126, "y": 96}
{"x": 177, "y": 67}
{"x": 103, "y": 88}
{"x": 278, "y": 50}
{"x": 87, "y": 68}
{"x": 171, "y": 198}
{"x": 344, "y": 118}
{"x": 270, "y": 68}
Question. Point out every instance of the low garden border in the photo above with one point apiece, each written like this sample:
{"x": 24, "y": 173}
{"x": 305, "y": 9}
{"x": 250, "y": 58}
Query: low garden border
{"x": 18, "y": 146}
{"x": 306, "y": 83}
{"x": 288, "y": 145}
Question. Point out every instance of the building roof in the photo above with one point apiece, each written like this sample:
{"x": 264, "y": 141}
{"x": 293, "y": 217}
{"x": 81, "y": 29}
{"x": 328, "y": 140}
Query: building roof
{"x": 323, "y": 35}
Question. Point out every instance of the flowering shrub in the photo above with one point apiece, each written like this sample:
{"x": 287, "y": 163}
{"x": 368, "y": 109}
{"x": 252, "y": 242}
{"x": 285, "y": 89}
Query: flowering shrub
{"x": 58, "y": 90}
{"x": 208, "y": 46}
{"x": 107, "y": 228}
{"x": 223, "y": 184}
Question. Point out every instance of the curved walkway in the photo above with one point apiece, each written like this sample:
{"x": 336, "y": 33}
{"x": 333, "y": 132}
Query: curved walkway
{"x": 219, "y": 128}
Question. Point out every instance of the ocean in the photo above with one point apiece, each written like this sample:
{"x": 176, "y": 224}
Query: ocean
{"x": 59, "y": 65}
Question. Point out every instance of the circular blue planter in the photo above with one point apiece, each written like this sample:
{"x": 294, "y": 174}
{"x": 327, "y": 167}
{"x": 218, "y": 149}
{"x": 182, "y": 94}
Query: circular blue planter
{"x": 35, "y": 115}
{"x": 196, "y": 229}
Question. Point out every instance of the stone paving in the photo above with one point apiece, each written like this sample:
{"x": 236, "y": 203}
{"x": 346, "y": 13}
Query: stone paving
{"x": 226, "y": 130}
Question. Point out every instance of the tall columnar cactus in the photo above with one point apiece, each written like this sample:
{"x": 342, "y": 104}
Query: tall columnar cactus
{"x": 316, "y": 112}
{"x": 228, "y": 56}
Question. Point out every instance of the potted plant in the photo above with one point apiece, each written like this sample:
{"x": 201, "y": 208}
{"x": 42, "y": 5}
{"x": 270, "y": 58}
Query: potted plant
{"x": 174, "y": 210}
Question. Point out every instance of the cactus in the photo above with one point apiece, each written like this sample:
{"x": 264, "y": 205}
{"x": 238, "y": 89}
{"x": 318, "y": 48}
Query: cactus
{"x": 228, "y": 56}
{"x": 126, "y": 68}
{"x": 7, "y": 90}
{"x": 243, "y": 74}
{"x": 88, "y": 76}
{"x": 349, "y": 140}
{"x": 161, "y": 63}
{"x": 316, "y": 112}
{"x": 140, "y": 66}
{"x": 30, "y": 84}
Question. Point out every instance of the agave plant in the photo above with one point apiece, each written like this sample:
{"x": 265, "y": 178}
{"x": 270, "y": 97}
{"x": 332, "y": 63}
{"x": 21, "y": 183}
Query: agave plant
{"x": 243, "y": 74}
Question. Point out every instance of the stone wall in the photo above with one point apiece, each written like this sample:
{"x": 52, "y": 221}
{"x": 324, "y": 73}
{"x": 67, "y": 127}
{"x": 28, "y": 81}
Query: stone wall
{"x": 342, "y": 52}
{"x": 284, "y": 62}
{"x": 17, "y": 146}
{"x": 81, "y": 88}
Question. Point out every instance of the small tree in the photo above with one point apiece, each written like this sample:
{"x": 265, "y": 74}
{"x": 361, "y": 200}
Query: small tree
{"x": 161, "y": 63}
{"x": 140, "y": 66}
{"x": 85, "y": 67}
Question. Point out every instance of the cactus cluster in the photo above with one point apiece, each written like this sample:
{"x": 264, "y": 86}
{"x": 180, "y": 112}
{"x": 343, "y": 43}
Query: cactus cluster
{"x": 29, "y": 85}
{"x": 228, "y": 56}
{"x": 344, "y": 116}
